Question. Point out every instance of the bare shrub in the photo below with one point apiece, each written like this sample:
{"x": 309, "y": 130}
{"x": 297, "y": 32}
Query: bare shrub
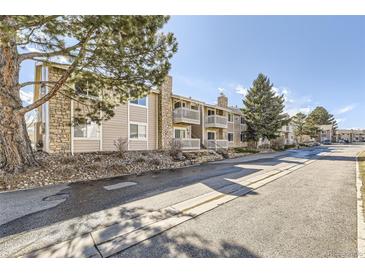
{"x": 223, "y": 152}
{"x": 155, "y": 161}
{"x": 278, "y": 144}
{"x": 67, "y": 159}
{"x": 121, "y": 145}
{"x": 176, "y": 151}
{"x": 141, "y": 159}
{"x": 264, "y": 146}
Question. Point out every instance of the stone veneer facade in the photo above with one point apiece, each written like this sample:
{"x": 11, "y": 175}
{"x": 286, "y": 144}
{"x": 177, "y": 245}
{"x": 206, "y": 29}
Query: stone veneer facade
{"x": 165, "y": 115}
{"x": 59, "y": 118}
{"x": 222, "y": 101}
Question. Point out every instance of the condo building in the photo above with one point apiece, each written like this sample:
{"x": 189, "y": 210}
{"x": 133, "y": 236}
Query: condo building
{"x": 155, "y": 122}
{"x": 350, "y": 135}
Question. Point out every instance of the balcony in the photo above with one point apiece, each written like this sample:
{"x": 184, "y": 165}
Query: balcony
{"x": 216, "y": 144}
{"x": 216, "y": 121}
{"x": 186, "y": 115}
{"x": 188, "y": 144}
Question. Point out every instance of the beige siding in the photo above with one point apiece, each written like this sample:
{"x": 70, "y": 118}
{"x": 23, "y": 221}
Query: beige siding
{"x": 137, "y": 113}
{"x": 137, "y": 145}
{"x": 152, "y": 121}
{"x": 86, "y": 145}
{"x": 230, "y": 127}
{"x": 116, "y": 127}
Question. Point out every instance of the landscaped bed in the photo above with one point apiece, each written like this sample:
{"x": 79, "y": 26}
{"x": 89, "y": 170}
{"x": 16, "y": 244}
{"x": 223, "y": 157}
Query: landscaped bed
{"x": 66, "y": 168}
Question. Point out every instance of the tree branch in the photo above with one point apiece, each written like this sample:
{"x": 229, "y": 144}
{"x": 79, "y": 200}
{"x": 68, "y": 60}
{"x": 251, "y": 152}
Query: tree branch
{"x": 60, "y": 81}
{"x": 29, "y": 83}
{"x": 31, "y": 55}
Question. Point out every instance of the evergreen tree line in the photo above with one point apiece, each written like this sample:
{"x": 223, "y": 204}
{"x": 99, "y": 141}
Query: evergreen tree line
{"x": 264, "y": 114}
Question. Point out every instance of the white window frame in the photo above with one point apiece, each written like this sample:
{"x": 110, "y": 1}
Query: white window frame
{"x": 242, "y": 133}
{"x": 87, "y": 138}
{"x": 182, "y": 103}
{"x": 138, "y": 124}
{"x": 184, "y": 129}
{"x": 138, "y": 105}
{"x": 244, "y": 122}
{"x": 230, "y": 115}
{"x": 211, "y": 131}
{"x": 213, "y": 110}
{"x": 232, "y": 137}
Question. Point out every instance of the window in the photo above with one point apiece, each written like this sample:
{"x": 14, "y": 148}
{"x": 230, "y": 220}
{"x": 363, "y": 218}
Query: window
{"x": 180, "y": 104}
{"x": 180, "y": 133}
{"x": 211, "y": 135}
{"x": 83, "y": 88}
{"x": 211, "y": 112}
{"x": 195, "y": 107}
{"x": 243, "y": 137}
{"x": 137, "y": 131}
{"x": 242, "y": 121}
{"x": 230, "y": 117}
{"x": 140, "y": 101}
{"x": 230, "y": 137}
{"x": 87, "y": 130}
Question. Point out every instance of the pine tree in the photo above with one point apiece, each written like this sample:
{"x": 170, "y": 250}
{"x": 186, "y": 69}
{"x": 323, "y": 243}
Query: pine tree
{"x": 263, "y": 110}
{"x": 319, "y": 116}
{"x": 128, "y": 55}
{"x": 298, "y": 121}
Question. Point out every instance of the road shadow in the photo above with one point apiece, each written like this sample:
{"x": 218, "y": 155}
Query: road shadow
{"x": 81, "y": 199}
{"x": 157, "y": 245}
{"x": 88, "y": 197}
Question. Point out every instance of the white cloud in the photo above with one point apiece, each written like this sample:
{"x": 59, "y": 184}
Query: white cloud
{"x": 346, "y": 109}
{"x": 221, "y": 90}
{"x": 294, "y": 103}
{"x": 340, "y": 120}
{"x": 241, "y": 90}
{"x": 26, "y": 97}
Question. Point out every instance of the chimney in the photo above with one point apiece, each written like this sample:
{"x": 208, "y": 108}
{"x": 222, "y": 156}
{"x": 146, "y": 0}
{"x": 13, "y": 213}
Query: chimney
{"x": 165, "y": 118}
{"x": 222, "y": 100}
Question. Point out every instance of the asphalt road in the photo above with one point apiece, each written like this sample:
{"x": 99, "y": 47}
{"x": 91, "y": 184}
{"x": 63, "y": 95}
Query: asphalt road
{"x": 308, "y": 213}
{"x": 26, "y": 210}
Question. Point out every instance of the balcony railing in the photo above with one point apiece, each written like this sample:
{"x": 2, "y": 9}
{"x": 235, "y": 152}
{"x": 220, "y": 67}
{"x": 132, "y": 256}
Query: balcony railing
{"x": 187, "y": 115}
{"x": 216, "y": 121}
{"x": 216, "y": 144}
{"x": 187, "y": 144}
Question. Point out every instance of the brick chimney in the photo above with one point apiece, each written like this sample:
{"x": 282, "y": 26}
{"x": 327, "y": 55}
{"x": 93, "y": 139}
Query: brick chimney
{"x": 222, "y": 100}
{"x": 165, "y": 118}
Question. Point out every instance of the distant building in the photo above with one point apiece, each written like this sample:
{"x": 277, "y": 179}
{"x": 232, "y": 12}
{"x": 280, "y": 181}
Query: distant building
{"x": 350, "y": 135}
{"x": 326, "y": 133}
{"x": 287, "y": 132}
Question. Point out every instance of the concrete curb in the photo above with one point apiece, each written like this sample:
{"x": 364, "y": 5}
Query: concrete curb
{"x": 360, "y": 214}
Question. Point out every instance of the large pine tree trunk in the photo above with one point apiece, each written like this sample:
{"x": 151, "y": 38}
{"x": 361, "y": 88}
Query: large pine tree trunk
{"x": 14, "y": 140}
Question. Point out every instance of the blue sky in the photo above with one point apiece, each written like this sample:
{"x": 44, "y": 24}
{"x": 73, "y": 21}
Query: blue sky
{"x": 312, "y": 60}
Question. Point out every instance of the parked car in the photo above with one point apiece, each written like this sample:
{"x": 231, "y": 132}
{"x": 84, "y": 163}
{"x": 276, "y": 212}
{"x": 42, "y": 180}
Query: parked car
{"x": 326, "y": 142}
